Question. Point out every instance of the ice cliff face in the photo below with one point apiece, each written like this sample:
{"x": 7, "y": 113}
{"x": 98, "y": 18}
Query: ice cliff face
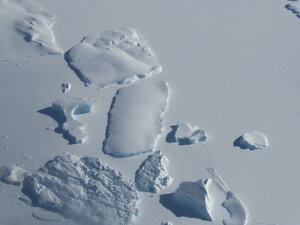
{"x": 83, "y": 189}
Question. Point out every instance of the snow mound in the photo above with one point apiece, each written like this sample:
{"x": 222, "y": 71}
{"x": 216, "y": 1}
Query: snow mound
{"x": 185, "y": 134}
{"x": 26, "y": 30}
{"x": 252, "y": 140}
{"x": 13, "y": 174}
{"x": 152, "y": 176}
{"x": 83, "y": 189}
{"x": 236, "y": 209}
{"x": 294, "y": 7}
{"x": 65, "y": 87}
{"x": 65, "y": 112}
{"x": 135, "y": 118}
{"x": 192, "y": 199}
{"x": 167, "y": 223}
{"x": 112, "y": 57}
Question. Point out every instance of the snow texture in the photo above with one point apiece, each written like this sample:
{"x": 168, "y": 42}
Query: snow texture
{"x": 13, "y": 174}
{"x": 135, "y": 118}
{"x": 26, "y": 30}
{"x": 294, "y": 7}
{"x": 112, "y": 57}
{"x": 64, "y": 112}
{"x": 252, "y": 140}
{"x": 185, "y": 134}
{"x": 152, "y": 176}
{"x": 84, "y": 190}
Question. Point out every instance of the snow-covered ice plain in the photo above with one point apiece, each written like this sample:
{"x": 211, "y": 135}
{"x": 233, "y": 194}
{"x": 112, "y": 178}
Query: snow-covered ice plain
{"x": 221, "y": 73}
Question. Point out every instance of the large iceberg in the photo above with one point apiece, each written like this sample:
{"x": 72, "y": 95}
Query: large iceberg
{"x": 112, "y": 57}
{"x": 83, "y": 189}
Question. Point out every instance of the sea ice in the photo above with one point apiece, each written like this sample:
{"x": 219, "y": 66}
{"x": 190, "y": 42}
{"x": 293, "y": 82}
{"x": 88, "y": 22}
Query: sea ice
{"x": 135, "y": 118}
{"x": 185, "y": 134}
{"x": 84, "y": 190}
{"x": 152, "y": 176}
{"x": 64, "y": 112}
{"x": 252, "y": 140}
{"x": 112, "y": 57}
{"x": 26, "y": 30}
{"x": 13, "y": 174}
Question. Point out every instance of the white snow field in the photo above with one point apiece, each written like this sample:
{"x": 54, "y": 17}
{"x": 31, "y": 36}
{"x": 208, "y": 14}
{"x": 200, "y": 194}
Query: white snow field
{"x": 65, "y": 112}
{"x": 253, "y": 140}
{"x": 112, "y": 57}
{"x": 26, "y": 30}
{"x": 186, "y": 134}
{"x": 13, "y": 174}
{"x": 135, "y": 118}
{"x": 152, "y": 175}
{"x": 231, "y": 67}
{"x": 84, "y": 190}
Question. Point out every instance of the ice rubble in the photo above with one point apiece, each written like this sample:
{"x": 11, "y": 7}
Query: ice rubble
{"x": 202, "y": 199}
{"x": 135, "y": 118}
{"x": 13, "y": 174}
{"x": 83, "y": 189}
{"x": 65, "y": 87}
{"x": 152, "y": 176}
{"x": 64, "y": 112}
{"x": 112, "y": 57}
{"x": 253, "y": 140}
{"x": 294, "y": 7}
{"x": 26, "y": 30}
{"x": 167, "y": 223}
{"x": 186, "y": 134}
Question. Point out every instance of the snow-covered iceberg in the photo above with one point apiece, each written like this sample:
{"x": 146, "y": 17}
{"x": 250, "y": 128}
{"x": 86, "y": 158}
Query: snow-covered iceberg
{"x": 13, "y": 174}
{"x": 112, "y": 57}
{"x": 26, "y": 30}
{"x": 152, "y": 176}
{"x": 253, "y": 140}
{"x": 135, "y": 118}
{"x": 84, "y": 190}
{"x": 64, "y": 112}
{"x": 294, "y": 7}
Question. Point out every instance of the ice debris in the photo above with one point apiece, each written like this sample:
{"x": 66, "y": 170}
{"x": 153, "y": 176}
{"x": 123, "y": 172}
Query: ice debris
{"x": 13, "y": 174}
{"x": 152, "y": 176}
{"x": 135, "y": 118}
{"x": 113, "y": 57}
{"x": 84, "y": 190}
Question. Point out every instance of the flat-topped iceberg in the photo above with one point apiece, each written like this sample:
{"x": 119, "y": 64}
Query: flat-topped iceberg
{"x": 152, "y": 176}
{"x": 26, "y": 30}
{"x": 135, "y": 118}
{"x": 84, "y": 190}
{"x": 112, "y": 57}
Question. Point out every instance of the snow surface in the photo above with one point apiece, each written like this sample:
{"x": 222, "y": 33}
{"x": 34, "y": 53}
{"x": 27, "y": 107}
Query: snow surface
{"x": 152, "y": 176}
{"x": 13, "y": 174}
{"x": 26, "y": 30}
{"x": 186, "y": 134}
{"x": 84, "y": 190}
{"x": 135, "y": 118}
{"x": 253, "y": 140}
{"x": 64, "y": 112}
{"x": 112, "y": 57}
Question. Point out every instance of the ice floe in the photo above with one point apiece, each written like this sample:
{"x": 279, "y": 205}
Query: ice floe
{"x": 112, "y": 57}
{"x": 13, "y": 174}
{"x": 26, "y": 30}
{"x": 152, "y": 176}
{"x": 186, "y": 134}
{"x": 253, "y": 140}
{"x": 84, "y": 190}
{"x": 64, "y": 112}
{"x": 135, "y": 118}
